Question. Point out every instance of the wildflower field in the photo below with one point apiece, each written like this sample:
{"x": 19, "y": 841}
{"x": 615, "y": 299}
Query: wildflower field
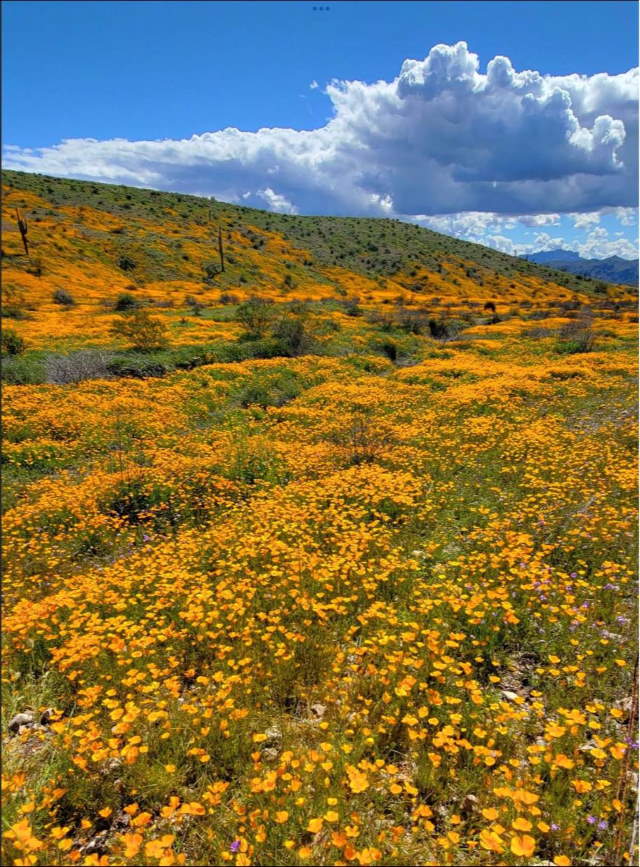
{"x": 354, "y": 588}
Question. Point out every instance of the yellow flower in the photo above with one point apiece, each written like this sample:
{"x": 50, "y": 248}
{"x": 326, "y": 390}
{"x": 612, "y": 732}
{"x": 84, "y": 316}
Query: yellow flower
{"x": 521, "y": 824}
{"x": 523, "y": 845}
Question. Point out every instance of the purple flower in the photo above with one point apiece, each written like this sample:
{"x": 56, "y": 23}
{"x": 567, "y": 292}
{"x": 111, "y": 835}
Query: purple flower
{"x": 603, "y": 824}
{"x": 622, "y": 619}
{"x": 235, "y": 846}
{"x": 591, "y": 820}
{"x": 573, "y": 575}
{"x": 146, "y": 538}
{"x": 610, "y": 587}
{"x": 555, "y": 827}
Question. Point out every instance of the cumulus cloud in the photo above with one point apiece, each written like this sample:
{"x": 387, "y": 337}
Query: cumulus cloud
{"x": 540, "y": 220}
{"x": 442, "y": 138}
{"x": 544, "y": 241}
{"x": 584, "y": 221}
{"x": 626, "y": 216}
{"x": 598, "y": 245}
{"x": 276, "y": 202}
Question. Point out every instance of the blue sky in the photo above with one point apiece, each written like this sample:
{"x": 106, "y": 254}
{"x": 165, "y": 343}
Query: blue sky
{"x": 88, "y": 87}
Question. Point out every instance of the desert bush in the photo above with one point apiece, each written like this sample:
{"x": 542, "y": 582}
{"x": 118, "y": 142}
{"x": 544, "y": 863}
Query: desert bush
{"x": 86, "y": 364}
{"x": 125, "y": 301}
{"x": 211, "y": 270}
{"x": 228, "y": 298}
{"x": 12, "y": 343}
{"x": 126, "y": 263}
{"x": 144, "y": 332}
{"x": 35, "y": 267}
{"x": 196, "y": 306}
{"x": 576, "y": 336}
{"x": 412, "y": 321}
{"x": 293, "y": 335}
{"x": 61, "y": 296}
{"x": 352, "y": 306}
{"x": 390, "y": 349}
{"x": 256, "y": 315}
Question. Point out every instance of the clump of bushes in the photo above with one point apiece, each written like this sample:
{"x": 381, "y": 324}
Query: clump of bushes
{"x": 85, "y": 364}
{"x": 144, "y": 331}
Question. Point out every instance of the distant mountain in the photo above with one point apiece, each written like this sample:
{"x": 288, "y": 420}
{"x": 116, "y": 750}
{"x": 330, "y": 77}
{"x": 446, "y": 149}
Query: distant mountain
{"x": 614, "y": 269}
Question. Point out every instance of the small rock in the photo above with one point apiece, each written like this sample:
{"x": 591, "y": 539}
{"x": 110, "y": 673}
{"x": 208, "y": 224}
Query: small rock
{"x": 274, "y": 736}
{"x": 270, "y": 754}
{"x": 318, "y": 710}
{"x": 469, "y": 803}
{"x": 21, "y": 719}
{"x": 111, "y": 765}
{"x": 510, "y": 696}
{"x": 96, "y": 844}
{"x": 45, "y": 716}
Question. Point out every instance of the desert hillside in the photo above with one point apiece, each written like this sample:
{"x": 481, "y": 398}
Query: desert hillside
{"x": 318, "y": 541}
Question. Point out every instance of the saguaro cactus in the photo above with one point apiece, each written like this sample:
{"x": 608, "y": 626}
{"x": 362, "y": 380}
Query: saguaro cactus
{"x": 22, "y": 225}
{"x": 220, "y": 248}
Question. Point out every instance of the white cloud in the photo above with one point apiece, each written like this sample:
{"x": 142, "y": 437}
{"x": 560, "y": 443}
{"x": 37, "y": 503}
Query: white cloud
{"x": 599, "y": 246}
{"x": 544, "y": 241}
{"x": 276, "y": 202}
{"x": 314, "y": 85}
{"x": 505, "y": 245}
{"x": 584, "y": 221}
{"x": 440, "y": 139}
{"x": 540, "y": 220}
{"x": 627, "y": 216}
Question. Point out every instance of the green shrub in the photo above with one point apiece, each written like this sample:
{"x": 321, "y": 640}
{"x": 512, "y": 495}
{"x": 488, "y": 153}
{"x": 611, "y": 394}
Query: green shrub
{"x": 137, "y": 367}
{"x": 61, "y": 296}
{"x": 22, "y": 370}
{"x": 12, "y": 343}
{"x": 125, "y": 301}
{"x": 126, "y": 263}
{"x": 293, "y": 336}
{"x": 144, "y": 332}
{"x": 256, "y": 315}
